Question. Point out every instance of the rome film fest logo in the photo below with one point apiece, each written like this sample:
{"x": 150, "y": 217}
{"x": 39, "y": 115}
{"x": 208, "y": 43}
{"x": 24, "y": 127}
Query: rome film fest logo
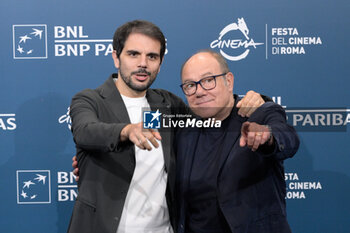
{"x": 236, "y": 44}
{"x": 29, "y": 41}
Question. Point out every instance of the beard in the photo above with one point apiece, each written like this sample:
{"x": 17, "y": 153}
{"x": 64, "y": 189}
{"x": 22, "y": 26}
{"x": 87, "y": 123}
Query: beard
{"x": 143, "y": 85}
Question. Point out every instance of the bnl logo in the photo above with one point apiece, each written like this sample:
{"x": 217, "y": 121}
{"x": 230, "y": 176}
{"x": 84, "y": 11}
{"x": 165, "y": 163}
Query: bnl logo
{"x": 33, "y": 187}
{"x": 29, "y": 41}
{"x": 151, "y": 120}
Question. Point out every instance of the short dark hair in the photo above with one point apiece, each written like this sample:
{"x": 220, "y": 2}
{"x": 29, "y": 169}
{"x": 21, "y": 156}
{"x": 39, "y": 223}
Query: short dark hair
{"x": 219, "y": 58}
{"x": 138, "y": 26}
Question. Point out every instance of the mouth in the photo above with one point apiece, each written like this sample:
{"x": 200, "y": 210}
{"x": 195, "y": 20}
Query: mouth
{"x": 141, "y": 76}
{"x": 203, "y": 102}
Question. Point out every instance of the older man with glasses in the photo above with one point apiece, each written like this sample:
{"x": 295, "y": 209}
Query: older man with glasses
{"x": 230, "y": 179}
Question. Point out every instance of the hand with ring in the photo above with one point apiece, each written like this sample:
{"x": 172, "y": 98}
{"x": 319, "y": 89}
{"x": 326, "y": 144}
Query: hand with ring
{"x": 254, "y": 135}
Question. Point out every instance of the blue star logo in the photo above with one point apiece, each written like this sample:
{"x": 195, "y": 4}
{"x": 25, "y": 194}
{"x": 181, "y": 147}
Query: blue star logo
{"x": 151, "y": 119}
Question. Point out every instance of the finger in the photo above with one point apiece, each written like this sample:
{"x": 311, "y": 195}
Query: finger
{"x": 137, "y": 142}
{"x": 76, "y": 171}
{"x": 75, "y": 164}
{"x": 252, "y": 103}
{"x": 242, "y": 141}
{"x": 239, "y": 104}
{"x": 156, "y": 134}
{"x": 154, "y": 142}
{"x": 250, "y": 139}
{"x": 253, "y": 96}
{"x": 265, "y": 137}
{"x": 242, "y": 107}
{"x": 151, "y": 139}
{"x": 248, "y": 97}
{"x": 242, "y": 111}
{"x": 257, "y": 141}
{"x": 144, "y": 142}
{"x": 74, "y": 158}
{"x": 246, "y": 103}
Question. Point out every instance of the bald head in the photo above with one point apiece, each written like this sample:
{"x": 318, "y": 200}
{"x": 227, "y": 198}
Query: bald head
{"x": 218, "y": 57}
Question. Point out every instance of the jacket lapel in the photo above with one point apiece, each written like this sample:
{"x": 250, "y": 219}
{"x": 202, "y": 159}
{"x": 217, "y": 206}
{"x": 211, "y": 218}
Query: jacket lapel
{"x": 110, "y": 92}
{"x": 189, "y": 143}
{"x": 232, "y": 134}
{"x": 156, "y": 101}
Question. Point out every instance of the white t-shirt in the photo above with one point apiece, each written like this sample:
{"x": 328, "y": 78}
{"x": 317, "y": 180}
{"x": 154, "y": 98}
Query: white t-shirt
{"x": 145, "y": 208}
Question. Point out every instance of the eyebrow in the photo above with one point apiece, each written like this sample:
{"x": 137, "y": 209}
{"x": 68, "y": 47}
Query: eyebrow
{"x": 132, "y": 51}
{"x": 148, "y": 54}
{"x": 153, "y": 54}
{"x": 207, "y": 74}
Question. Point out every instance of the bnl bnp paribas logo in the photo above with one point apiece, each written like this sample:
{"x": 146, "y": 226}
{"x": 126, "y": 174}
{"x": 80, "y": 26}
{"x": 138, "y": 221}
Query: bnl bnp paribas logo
{"x": 7, "y": 121}
{"x": 234, "y": 42}
{"x": 151, "y": 119}
{"x": 29, "y": 41}
{"x": 33, "y": 187}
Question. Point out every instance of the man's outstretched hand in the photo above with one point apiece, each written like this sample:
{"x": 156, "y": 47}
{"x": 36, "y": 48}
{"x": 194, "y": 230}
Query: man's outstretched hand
{"x": 254, "y": 135}
{"x": 140, "y": 137}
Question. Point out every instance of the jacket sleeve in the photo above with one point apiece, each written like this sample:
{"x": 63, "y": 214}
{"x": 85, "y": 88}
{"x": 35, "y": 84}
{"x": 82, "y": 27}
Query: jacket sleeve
{"x": 89, "y": 132}
{"x": 286, "y": 140}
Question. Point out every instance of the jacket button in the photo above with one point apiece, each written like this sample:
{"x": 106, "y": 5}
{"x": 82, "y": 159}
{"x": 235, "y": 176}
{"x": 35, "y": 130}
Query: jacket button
{"x": 281, "y": 147}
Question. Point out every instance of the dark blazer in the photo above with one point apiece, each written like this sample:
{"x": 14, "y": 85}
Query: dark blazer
{"x": 250, "y": 185}
{"x": 106, "y": 164}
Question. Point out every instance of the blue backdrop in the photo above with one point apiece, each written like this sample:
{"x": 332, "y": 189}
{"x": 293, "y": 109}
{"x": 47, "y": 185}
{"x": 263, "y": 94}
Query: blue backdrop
{"x": 294, "y": 51}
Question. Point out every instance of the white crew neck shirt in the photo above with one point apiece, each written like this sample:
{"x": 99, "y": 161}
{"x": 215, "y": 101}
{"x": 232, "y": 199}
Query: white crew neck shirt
{"x": 145, "y": 208}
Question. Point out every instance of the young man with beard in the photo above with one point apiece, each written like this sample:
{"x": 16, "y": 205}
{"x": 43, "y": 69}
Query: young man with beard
{"x": 127, "y": 174}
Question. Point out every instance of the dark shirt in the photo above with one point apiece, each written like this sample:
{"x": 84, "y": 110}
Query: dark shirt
{"x": 249, "y": 187}
{"x": 203, "y": 213}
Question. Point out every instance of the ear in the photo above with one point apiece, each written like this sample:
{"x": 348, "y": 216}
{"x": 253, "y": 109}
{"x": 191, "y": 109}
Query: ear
{"x": 115, "y": 59}
{"x": 230, "y": 80}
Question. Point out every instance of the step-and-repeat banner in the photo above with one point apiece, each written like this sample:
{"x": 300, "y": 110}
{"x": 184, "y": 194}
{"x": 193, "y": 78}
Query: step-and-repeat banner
{"x": 294, "y": 51}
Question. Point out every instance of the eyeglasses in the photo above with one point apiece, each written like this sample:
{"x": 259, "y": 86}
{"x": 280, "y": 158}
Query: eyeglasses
{"x": 207, "y": 83}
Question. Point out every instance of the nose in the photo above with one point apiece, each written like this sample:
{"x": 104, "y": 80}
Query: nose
{"x": 143, "y": 61}
{"x": 200, "y": 91}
